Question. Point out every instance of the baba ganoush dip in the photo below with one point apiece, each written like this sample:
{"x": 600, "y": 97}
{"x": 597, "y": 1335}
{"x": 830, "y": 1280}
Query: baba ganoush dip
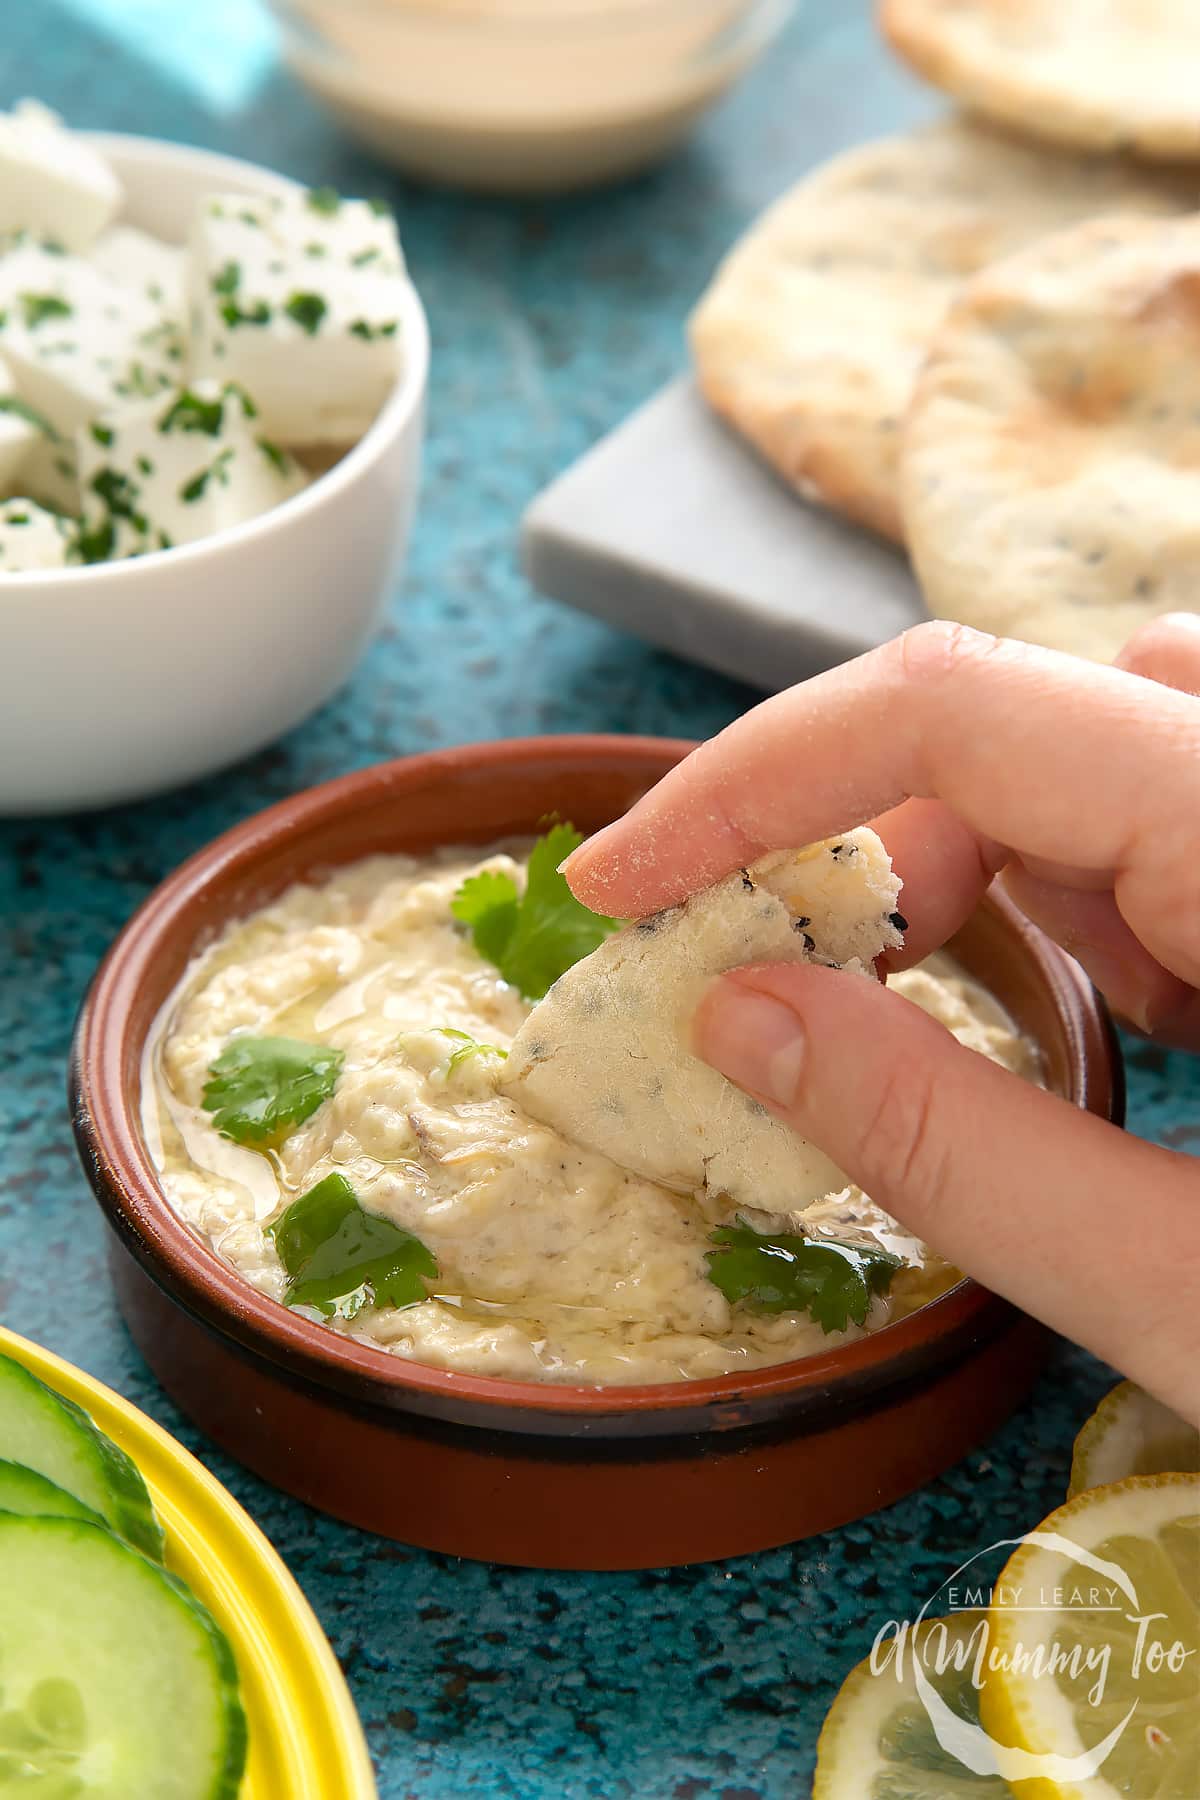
{"x": 553, "y": 1264}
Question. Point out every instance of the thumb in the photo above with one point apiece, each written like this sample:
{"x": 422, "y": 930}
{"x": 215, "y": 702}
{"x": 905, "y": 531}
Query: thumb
{"x": 1094, "y": 1232}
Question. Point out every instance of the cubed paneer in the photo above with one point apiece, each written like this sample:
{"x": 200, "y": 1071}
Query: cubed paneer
{"x": 134, "y": 259}
{"x": 298, "y": 298}
{"x": 177, "y": 468}
{"x": 18, "y": 433}
{"x": 35, "y": 460}
{"x": 49, "y": 473}
{"x": 52, "y": 183}
{"x": 32, "y": 538}
{"x": 78, "y": 345}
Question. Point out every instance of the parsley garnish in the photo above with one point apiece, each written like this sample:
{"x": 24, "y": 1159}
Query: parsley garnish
{"x": 119, "y": 495}
{"x": 101, "y": 434}
{"x": 531, "y": 937}
{"x": 191, "y": 412}
{"x": 40, "y": 307}
{"x": 307, "y": 311}
{"x": 380, "y": 208}
{"x": 96, "y": 544}
{"x": 340, "y": 1258}
{"x": 468, "y": 1047}
{"x": 279, "y": 459}
{"x": 218, "y": 470}
{"x": 228, "y": 280}
{"x": 361, "y": 329}
{"x": 324, "y": 199}
{"x": 778, "y": 1272}
{"x": 260, "y": 1088}
{"x": 234, "y": 315}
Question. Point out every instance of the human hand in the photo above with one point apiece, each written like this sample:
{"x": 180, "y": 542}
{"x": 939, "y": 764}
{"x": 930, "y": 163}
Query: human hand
{"x": 972, "y": 756}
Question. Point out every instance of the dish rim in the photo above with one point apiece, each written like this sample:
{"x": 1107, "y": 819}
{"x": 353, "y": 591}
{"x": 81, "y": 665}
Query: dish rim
{"x": 389, "y": 426}
{"x": 117, "y": 1161}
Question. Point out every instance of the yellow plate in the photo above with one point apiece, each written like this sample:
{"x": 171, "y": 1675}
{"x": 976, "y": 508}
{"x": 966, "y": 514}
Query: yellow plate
{"x": 306, "y": 1742}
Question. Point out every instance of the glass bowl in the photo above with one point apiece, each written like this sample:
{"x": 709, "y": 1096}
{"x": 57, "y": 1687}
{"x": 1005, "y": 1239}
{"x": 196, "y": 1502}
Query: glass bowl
{"x": 523, "y": 96}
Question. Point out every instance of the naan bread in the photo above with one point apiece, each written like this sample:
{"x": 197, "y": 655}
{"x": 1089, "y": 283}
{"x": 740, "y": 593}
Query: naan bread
{"x": 810, "y": 338}
{"x": 1052, "y": 453}
{"x": 606, "y": 1057}
{"x": 1094, "y": 74}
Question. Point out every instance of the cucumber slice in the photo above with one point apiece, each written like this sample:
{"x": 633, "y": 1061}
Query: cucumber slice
{"x": 55, "y": 1438}
{"x": 23, "y": 1490}
{"x": 114, "y": 1680}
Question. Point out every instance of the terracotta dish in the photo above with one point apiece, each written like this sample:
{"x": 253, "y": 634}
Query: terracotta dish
{"x": 539, "y": 1474}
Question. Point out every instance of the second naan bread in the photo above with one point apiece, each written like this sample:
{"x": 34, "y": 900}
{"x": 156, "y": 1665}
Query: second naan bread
{"x": 1052, "y": 454}
{"x": 606, "y": 1057}
{"x": 1095, "y": 74}
{"x": 810, "y": 338}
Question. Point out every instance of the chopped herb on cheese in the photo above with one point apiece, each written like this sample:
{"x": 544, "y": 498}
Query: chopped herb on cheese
{"x": 324, "y": 285}
{"x": 257, "y": 314}
{"x": 177, "y": 468}
{"x": 38, "y": 308}
{"x": 307, "y": 310}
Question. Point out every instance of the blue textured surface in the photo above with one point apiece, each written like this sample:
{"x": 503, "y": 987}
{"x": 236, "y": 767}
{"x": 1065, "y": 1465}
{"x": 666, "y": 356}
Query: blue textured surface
{"x": 550, "y": 322}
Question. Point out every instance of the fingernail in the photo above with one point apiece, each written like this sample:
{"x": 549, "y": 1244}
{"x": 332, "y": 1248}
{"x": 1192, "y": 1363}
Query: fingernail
{"x": 754, "y": 1040}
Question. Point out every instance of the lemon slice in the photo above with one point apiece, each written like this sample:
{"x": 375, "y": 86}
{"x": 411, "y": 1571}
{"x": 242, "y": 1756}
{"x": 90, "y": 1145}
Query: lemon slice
{"x": 877, "y": 1742}
{"x": 1131, "y": 1434}
{"x": 1117, "y": 1715}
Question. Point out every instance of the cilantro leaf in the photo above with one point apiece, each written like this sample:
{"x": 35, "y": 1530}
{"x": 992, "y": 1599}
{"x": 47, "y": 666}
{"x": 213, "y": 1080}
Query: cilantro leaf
{"x": 533, "y": 937}
{"x": 488, "y": 903}
{"x": 340, "y": 1258}
{"x": 260, "y": 1088}
{"x": 324, "y": 199}
{"x": 467, "y": 1047}
{"x": 778, "y": 1272}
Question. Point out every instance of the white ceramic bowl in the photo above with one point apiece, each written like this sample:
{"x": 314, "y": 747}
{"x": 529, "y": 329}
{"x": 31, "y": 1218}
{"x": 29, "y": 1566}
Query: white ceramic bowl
{"x": 126, "y": 678}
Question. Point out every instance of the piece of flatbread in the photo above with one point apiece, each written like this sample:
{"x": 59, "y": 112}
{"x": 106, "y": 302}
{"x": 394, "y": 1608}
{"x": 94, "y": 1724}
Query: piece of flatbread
{"x": 606, "y": 1057}
{"x": 1092, "y": 74}
{"x": 811, "y": 336}
{"x": 1051, "y": 467}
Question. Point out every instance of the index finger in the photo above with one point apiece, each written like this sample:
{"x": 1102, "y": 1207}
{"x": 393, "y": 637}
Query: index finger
{"x": 1071, "y": 763}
